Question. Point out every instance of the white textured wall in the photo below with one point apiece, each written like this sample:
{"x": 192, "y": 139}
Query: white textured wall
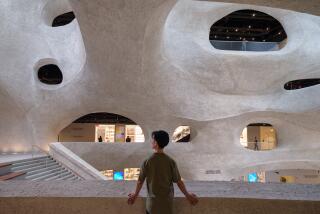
{"x": 151, "y": 61}
{"x": 78, "y": 132}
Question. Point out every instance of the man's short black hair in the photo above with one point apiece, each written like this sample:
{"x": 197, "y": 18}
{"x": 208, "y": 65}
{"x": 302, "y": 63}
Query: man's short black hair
{"x": 161, "y": 137}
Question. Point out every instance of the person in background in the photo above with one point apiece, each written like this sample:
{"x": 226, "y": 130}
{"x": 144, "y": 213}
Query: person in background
{"x": 256, "y": 148}
{"x": 128, "y": 139}
{"x": 100, "y": 139}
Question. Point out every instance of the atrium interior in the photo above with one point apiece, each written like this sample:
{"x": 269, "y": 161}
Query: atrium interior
{"x": 84, "y": 84}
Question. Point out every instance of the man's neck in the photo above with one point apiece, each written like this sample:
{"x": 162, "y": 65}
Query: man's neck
{"x": 158, "y": 151}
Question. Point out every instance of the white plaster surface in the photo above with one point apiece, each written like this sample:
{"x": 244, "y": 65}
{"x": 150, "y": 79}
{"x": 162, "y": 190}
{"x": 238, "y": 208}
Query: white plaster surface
{"x": 151, "y": 61}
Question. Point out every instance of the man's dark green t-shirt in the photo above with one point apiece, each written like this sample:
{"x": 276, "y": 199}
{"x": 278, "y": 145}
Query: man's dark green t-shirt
{"x": 160, "y": 172}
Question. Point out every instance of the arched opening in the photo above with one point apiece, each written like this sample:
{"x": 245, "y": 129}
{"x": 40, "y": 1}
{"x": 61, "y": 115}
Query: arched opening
{"x": 259, "y": 137}
{"x": 291, "y": 176}
{"x": 50, "y": 74}
{"x": 63, "y": 19}
{"x": 182, "y": 134}
{"x": 247, "y": 30}
{"x": 102, "y": 127}
{"x": 127, "y": 174}
{"x": 299, "y": 84}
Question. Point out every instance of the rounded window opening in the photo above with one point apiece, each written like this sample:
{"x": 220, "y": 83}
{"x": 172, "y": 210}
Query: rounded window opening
{"x": 50, "y": 74}
{"x": 259, "y": 137}
{"x": 182, "y": 134}
{"x": 127, "y": 174}
{"x": 291, "y": 176}
{"x": 63, "y": 19}
{"x": 299, "y": 84}
{"x": 247, "y": 30}
{"x": 102, "y": 128}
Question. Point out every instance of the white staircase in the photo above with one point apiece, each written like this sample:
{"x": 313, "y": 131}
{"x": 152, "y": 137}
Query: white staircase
{"x": 43, "y": 168}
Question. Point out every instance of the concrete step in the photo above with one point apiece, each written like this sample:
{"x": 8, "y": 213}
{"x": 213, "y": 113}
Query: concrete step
{"x": 62, "y": 173}
{"x": 40, "y": 174}
{"x": 11, "y": 175}
{"x": 29, "y": 159}
{"x": 31, "y": 165}
{"x": 74, "y": 178}
{"x": 23, "y": 163}
{"x": 55, "y": 166}
{"x": 63, "y": 176}
{"x": 38, "y": 167}
{"x": 69, "y": 177}
{"x": 5, "y": 168}
{"x": 54, "y": 177}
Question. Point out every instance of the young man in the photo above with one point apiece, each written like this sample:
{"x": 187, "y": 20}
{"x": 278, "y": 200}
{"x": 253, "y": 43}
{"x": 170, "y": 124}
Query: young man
{"x": 160, "y": 171}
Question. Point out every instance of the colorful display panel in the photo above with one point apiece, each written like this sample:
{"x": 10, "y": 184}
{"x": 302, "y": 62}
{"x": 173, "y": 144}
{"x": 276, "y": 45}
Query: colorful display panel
{"x": 108, "y": 173}
{"x": 252, "y": 177}
{"x": 131, "y": 174}
{"x": 118, "y": 176}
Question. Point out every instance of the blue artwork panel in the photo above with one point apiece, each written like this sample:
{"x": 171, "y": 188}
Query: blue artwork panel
{"x": 118, "y": 176}
{"x": 253, "y": 177}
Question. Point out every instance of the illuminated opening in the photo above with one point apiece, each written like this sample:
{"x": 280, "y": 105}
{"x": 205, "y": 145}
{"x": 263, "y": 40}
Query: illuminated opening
{"x": 247, "y": 30}
{"x": 290, "y": 176}
{"x": 108, "y": 173}
{"x": 102, "y": 128}
{"x": 259, "y": 137}
{"x": 131, "y": 174}
{"x": 253, "y": 177}
{"x": 118, "y": 176}
{"x": 182, "y": 134}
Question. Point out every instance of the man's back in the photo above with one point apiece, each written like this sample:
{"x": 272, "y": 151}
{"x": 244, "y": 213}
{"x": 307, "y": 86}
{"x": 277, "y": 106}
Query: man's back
{"x": 160, "y": 172}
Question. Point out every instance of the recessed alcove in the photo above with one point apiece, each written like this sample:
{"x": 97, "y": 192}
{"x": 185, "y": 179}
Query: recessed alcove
{"x": 57, "y": 13}
{"x": 247, "y": 30}
{"x": 50, "y": 74}
{"x": 291, "y": 176}
{"x": 63, "y": 19}
{"x": 300, "y": 84}
{"x": 259, "y": 137}
{"x": 182, "y": 134}
{"x": 102, "y": 127}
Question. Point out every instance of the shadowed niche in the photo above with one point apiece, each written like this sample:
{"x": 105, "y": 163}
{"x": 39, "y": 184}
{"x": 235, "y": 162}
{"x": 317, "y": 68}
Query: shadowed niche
{"x": 50, "y": 74}
{"x": 63, "y": 19}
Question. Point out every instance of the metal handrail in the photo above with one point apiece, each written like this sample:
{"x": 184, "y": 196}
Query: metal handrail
{"x": 42, "y": 150}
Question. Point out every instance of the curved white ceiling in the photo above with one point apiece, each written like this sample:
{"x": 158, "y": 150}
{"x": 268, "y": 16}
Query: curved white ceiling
{"x": 151, "y": 61}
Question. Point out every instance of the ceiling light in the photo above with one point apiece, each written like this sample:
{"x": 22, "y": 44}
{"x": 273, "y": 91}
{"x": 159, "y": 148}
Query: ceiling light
{"x": 249, "y": 26}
